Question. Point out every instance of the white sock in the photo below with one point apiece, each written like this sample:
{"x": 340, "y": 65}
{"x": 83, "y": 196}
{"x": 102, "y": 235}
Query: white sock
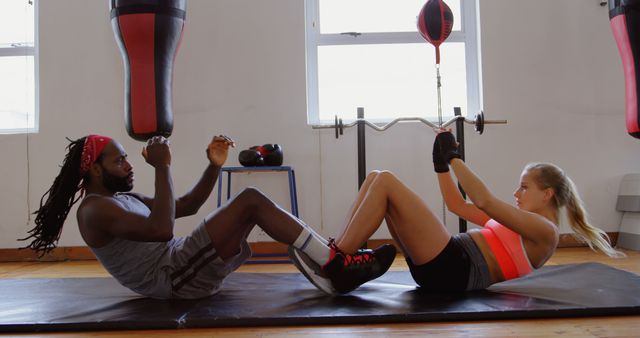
{"x": 313, "y": 245}
{"x": 316, "y": 235}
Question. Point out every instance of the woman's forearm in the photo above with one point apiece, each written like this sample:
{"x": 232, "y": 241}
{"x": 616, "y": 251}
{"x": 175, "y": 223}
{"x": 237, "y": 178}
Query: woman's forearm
{"x": 450, "y": 192}
{"x": 472, "y": 184}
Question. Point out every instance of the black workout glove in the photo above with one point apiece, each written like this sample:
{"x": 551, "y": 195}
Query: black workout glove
{"x": 439, "y": 163}
{"x": 448, "y": 146}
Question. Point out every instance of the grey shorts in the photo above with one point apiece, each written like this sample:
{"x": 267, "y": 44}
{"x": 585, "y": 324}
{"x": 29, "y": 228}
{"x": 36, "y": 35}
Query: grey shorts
{"x": 196, "y": 270}
{"x": 479, "y": 275}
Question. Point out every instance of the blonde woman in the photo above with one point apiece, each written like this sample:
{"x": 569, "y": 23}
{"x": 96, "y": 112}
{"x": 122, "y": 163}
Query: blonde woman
{"x": 514, "y": 240}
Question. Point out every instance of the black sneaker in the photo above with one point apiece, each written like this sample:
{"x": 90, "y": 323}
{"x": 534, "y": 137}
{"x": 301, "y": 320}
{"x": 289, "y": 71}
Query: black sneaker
{"x": 347, "y": 272}
{"x": 312, "y": 270}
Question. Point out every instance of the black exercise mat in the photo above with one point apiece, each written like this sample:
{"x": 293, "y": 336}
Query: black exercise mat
{"x": 258, "y": 299}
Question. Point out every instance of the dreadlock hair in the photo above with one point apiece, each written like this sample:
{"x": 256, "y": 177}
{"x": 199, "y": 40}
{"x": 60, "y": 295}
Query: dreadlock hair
{"x": 547, "y": 175}
{"x": 58, "y": 200}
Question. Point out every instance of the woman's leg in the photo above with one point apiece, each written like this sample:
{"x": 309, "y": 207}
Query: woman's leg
{"x": 361, "y": 193}
{"x": 413, "y": 225}
{"x": 356, "y": 204}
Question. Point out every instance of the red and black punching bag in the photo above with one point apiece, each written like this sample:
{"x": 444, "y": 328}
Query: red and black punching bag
{"x": 435, "y": 23}
{"x": 148, "y": 33}
{"x": 625, "y": 23}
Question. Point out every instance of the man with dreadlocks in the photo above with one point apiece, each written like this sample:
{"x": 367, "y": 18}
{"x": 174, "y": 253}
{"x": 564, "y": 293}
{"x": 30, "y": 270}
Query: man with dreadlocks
{"x": 132, "y": 234}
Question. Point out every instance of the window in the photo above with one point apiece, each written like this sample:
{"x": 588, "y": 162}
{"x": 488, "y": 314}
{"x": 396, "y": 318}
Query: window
{"x": 369, "y": 53}
{"x": 17, "y": 67}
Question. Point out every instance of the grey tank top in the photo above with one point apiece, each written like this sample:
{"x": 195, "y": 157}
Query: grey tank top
{"x": 139, "y": 266}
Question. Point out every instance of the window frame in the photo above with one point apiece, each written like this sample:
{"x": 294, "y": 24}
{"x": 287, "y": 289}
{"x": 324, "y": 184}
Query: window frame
{"x": 25, "y": 49}
{"x": 469, "y": 34}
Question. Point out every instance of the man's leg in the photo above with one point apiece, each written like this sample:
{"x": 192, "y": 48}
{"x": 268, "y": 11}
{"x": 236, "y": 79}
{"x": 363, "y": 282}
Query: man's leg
{"x": 230, "y": 225}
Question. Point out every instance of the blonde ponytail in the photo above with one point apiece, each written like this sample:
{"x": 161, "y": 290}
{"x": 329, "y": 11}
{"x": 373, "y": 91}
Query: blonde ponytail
{"x": 566, "y": 195}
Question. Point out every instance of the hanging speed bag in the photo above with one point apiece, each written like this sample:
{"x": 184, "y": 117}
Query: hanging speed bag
{"x": 435, "y": 22}
{"x": 624, "y": 17}
{"x": 148, "y": 33}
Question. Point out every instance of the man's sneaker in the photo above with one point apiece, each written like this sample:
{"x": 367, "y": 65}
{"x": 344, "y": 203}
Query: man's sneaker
{"x": 347, "y": 272}
{"x": 312, "y": 270}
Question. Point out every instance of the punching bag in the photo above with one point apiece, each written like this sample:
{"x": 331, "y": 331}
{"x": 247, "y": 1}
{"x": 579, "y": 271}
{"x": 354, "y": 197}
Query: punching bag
{"x": 624, "y": 17}
{"x": 435, "y": 23}
{"x": 148, "y": 33}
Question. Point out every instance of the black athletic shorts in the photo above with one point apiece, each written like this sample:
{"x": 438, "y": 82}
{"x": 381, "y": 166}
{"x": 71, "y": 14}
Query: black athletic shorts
{"x": 460, "y": 266}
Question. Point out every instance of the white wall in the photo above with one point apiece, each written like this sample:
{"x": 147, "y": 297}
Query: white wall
{"x": 550, "y": 67}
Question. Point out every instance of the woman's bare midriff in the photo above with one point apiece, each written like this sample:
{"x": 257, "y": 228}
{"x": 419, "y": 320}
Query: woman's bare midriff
{"x": 494, "y": 268}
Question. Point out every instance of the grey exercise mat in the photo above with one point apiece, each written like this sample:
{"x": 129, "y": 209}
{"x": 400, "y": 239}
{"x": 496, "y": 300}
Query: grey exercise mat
{"x": 256, "y": 299}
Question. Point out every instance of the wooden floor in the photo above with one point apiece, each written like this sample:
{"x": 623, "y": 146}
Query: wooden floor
{"x": 625, "y": 326}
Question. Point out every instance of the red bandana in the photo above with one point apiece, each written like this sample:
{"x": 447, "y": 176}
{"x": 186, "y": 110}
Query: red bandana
{"x": 93, "y": 147}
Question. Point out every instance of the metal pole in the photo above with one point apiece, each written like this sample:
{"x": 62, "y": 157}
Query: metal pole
{"x": 462, "y": 223}
{"x": 362, "y": 158}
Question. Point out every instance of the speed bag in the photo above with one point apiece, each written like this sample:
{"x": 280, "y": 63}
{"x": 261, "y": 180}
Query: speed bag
{"x": 435, "y": 23}
{"x": 624, "y": 17}
{"x": 148, "y": 33}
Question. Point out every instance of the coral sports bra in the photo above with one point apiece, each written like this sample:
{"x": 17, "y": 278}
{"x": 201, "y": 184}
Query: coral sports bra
{"x": 508, "y": 248}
